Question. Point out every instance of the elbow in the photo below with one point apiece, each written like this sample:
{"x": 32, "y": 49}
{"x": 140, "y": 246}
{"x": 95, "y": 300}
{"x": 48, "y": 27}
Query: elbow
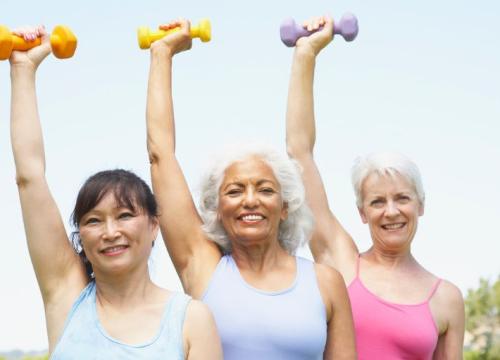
{"x": 154, "y": 157}
{"x": 24, "y": 180}
{"x": 298, "y": 152}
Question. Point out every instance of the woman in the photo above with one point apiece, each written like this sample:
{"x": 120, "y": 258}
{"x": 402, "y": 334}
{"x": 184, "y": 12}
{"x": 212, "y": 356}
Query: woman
{"x": 400, "y": 310}
{"x": 101, "y": 303}
{"x": 238, "y": 255}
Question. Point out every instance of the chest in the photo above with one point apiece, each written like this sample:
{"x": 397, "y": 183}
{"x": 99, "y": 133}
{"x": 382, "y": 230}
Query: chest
{"x": 401, "y": 331}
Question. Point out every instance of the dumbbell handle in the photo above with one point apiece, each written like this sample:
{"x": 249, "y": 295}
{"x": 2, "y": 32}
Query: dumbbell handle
{"x": 18, "y": 43}
{"x": 347, "y": 27}
{"x": 62, "y": 41}
{"x": 145, "y": 36}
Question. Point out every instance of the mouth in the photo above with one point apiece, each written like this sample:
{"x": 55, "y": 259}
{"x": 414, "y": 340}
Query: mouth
{"x": 114, "y": 250}
{"x": 251, "y": 218}
{"x": 395, "y": 226}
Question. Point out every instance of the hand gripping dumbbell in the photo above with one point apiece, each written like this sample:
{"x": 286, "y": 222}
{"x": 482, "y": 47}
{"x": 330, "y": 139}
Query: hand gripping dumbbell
{"x": 62, "y": 41}
{"x": 145, "y": 36}
{"x": 290, "y": 32}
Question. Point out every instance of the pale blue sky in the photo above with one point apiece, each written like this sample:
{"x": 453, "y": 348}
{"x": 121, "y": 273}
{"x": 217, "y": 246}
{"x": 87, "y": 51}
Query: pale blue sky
{"x": 422, "y": 78}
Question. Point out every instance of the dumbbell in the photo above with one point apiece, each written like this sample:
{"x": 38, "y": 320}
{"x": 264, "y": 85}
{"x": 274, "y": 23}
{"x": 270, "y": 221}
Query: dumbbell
{"x": 62, "y": 41}
{"x": 290, "y": 32}
{"x": 145, "y": 36}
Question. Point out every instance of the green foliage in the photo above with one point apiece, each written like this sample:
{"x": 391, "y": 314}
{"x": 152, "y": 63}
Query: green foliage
{"x": 482, "y": 310}
{"x": 38, "y": 357}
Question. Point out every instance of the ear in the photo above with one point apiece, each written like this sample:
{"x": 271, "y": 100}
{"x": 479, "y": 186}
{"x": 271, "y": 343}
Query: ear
{"x": 284, "y": 212}
{"x": 421, "y": 209}
{"x": 155, "y": 224}
{"x": 363, "y": 215}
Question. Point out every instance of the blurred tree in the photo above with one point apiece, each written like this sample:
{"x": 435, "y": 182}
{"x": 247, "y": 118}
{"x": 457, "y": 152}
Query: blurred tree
{"x": 482, "y": 310}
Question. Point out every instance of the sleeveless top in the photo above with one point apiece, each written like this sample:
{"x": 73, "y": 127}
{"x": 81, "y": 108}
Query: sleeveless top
{"x": 84, "y": 337}
{"x": 388, "y": 331}
{"x": 255, "y": 324}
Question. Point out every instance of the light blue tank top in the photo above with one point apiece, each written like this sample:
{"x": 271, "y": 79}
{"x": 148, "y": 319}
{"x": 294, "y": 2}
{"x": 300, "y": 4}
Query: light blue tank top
{"x": 255, "y": 324}
{"x": 84, "y": 337}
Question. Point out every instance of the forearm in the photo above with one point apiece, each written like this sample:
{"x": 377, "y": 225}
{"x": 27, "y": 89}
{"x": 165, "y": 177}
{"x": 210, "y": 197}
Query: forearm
{"x": 300, "y": 126}
{"x": 159, "y": 108}
{"x": 26, "y": 132}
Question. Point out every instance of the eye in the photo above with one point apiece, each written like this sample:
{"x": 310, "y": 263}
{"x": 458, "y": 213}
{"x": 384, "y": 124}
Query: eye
{"x": 267, "y": 191}
{"x": 125, "y": 215}
{"x": 377, "y": 203}
{"x": 91, "y": 220}
{"x": 233, "y": 192}
{"x": 403, "y": 199}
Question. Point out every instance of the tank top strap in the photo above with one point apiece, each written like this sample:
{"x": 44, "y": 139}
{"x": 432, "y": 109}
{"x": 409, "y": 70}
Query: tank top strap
{"x": 434, "y": 289}
{"x": 358, "y": 260}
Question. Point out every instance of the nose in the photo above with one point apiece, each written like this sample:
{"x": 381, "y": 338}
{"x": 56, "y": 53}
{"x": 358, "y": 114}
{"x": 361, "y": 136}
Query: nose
{"x": 250, "y": 200}
{"x": 391, "y": 209}
{"x": 111, "y": 230}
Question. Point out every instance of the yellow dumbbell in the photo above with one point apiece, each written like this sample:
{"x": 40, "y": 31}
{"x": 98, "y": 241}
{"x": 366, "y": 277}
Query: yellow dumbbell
{"x": 145, "y": 36}
{"x": 62, "y": 41}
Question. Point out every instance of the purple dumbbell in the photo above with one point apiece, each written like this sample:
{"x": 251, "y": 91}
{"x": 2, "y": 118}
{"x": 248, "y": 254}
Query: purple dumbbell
{"x": 290, "y": 32}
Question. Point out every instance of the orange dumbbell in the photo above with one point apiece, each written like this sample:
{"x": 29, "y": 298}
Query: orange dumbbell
{"x": 62, "y": 41}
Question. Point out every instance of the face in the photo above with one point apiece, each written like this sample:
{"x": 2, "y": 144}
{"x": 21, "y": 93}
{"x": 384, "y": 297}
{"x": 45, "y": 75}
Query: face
{"x": 116, "y": 239}
{"x": 250, "y": 203}
{"x": 391, "y": 209}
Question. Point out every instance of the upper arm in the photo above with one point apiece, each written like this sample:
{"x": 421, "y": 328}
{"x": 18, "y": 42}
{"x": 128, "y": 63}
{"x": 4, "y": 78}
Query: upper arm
{"x": 193, "y": 254}
{"x": 330, "y": 244}
{"x": 56, "y": 264}
{"x": 340, "y": 338}
{"x": 201, "y": 339}
{"x": 450, "y": 341}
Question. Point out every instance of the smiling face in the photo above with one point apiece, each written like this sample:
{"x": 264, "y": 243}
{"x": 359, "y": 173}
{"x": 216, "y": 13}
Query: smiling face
{"x": 116, "y": 239}
{"x": 250, "y": 203}
{"x": 391, "y": 209}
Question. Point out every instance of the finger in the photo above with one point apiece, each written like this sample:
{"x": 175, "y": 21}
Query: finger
{"x": 184, "y": 24}
{"x": 316, "y": 24}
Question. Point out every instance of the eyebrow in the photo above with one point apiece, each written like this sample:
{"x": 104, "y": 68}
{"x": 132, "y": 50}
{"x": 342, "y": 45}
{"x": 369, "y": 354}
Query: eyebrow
{"x": 240, "y": 184}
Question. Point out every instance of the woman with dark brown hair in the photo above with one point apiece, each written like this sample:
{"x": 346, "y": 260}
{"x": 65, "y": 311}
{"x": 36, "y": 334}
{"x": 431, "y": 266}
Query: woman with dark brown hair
{"x": 100, "y": 302}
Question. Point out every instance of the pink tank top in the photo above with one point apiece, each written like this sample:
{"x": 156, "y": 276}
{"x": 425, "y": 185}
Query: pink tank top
{"x": 388, "y": 331}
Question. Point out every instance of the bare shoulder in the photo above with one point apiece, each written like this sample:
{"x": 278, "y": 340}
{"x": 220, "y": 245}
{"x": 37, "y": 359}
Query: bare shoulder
{"x": 198, "y": 318}
{"x": 449, "y": 295}
{"x": 331, "y": 284}
{"x": 328, "y": 276}
{"x": 201, "y": 339}
{"x": 197, "y": 311}
{"x": 447, "y": 306}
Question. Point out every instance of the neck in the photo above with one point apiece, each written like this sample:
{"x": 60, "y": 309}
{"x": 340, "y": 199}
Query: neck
{"x": 390, "y": 259}
{"x": 124, "y": 290}
{"x": 258, "y": 257}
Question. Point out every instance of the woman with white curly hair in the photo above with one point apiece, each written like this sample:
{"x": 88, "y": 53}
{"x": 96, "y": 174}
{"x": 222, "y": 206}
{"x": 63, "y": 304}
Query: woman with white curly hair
{"x": 238, "y": 255}
{"x": 400, "y": 310}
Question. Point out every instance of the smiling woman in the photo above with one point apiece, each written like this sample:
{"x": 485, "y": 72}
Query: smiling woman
{"x": 400, "y": 310}
{"x": 99, "y": 300}
{"x": 238, "y": 255}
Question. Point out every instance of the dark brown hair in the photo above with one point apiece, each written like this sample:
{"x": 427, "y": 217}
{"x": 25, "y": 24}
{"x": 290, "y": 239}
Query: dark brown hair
{"x": 129, "y": 190}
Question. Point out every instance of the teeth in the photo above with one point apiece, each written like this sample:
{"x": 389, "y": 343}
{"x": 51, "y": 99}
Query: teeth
{"x": 114, "y": 248}
{"x": 252, "y": 217}
{"x": 393, "y": 226}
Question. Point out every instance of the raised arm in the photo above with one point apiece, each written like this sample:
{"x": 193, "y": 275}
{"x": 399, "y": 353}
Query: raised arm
{"x": 193, "y": 255}
{"x": 330, "y": 243}
{"x": 59, "y": 271}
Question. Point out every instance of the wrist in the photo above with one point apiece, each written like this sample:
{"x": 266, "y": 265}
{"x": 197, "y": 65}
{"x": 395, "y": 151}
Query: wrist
{"x": 305, "y": 52}
{"x": 158, "y": 49}
{"x": 305, "y": 55}
{"x": 22, "y": 69}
